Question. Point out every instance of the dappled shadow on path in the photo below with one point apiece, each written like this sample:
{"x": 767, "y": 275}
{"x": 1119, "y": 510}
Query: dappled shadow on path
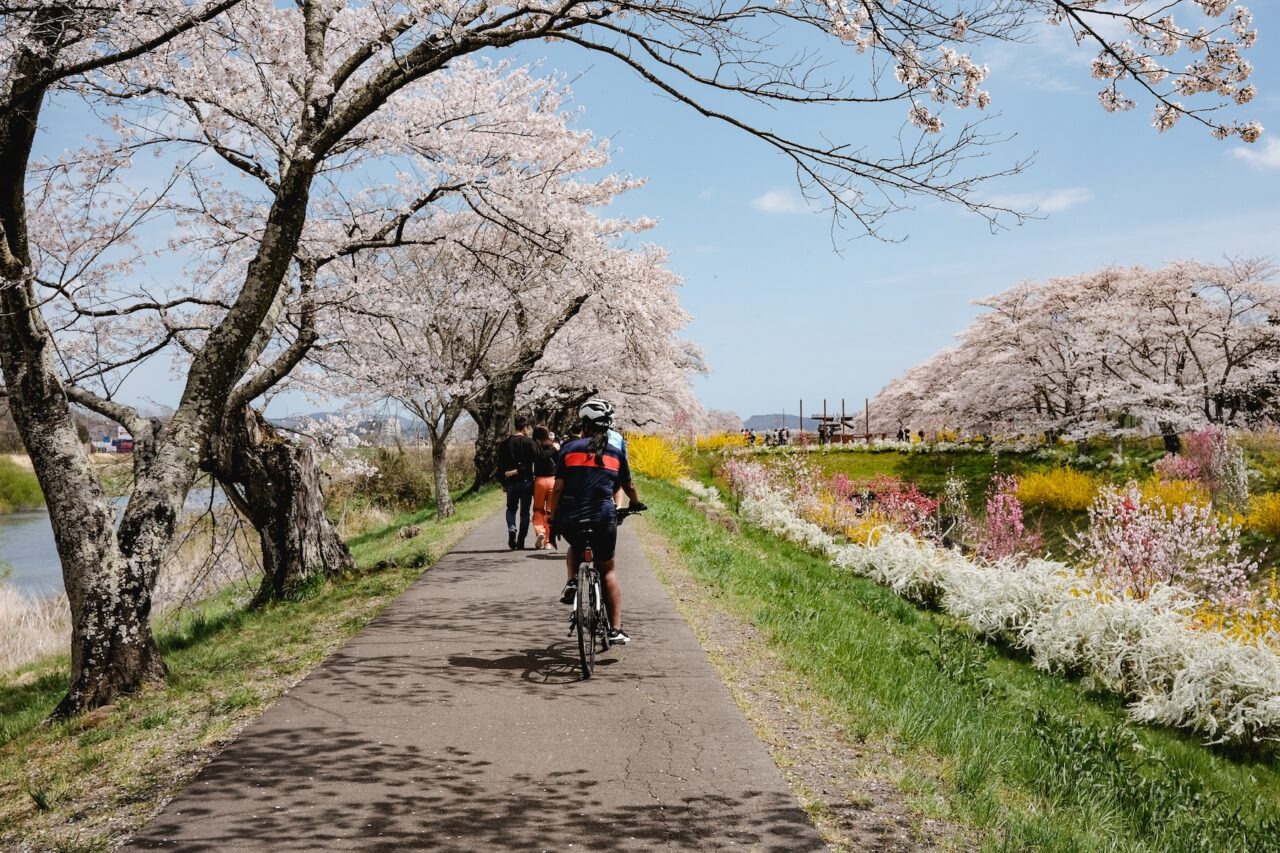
{"x": 315, "y": 788}
{"x": 558, "y": 663}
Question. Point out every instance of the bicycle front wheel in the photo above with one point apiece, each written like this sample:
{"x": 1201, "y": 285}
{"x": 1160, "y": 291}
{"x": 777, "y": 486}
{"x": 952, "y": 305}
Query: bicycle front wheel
{"x": 586, "y": 619}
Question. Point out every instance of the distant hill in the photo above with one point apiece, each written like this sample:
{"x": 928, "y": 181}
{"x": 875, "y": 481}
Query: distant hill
{"x": 761, "y": 422}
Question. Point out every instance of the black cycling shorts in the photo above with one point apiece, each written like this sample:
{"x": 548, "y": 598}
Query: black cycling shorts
{"x": 603, "y": 539}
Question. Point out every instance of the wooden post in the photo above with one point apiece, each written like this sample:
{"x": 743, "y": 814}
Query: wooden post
{"x": 866, "y": 417}
{"x": 802, "y": 419}
{"x": 842, "y": 420}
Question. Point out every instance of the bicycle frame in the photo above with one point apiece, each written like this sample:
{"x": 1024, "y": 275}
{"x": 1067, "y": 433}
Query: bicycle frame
{"x": 590, "y": 619}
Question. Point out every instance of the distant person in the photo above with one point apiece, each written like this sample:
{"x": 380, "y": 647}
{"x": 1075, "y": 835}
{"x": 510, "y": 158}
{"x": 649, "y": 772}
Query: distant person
{"x": 786, "y": 435}
{"x": 515, "y": 464}
{"x": 544, "y": 480}
{"x": 921, "y": 435}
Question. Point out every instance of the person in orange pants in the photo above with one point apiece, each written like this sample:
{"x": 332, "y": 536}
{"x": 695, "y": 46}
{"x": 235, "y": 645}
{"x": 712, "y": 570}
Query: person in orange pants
{"x": 544, "y": 480}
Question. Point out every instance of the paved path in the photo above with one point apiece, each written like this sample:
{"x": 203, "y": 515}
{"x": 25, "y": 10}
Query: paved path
{"x": 455, "y": 722}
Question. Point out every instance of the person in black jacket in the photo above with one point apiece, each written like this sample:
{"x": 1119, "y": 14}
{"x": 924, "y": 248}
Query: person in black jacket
{"x": 515, "y": 470}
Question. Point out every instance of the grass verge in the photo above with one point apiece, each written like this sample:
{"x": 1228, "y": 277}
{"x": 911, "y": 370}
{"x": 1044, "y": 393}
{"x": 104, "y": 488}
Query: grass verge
{"x": 1033, "y": 761}
{"x": 83, "y": 784}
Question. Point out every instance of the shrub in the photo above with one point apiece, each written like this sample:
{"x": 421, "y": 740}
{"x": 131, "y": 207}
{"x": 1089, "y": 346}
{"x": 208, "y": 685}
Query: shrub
{"x": 1175, "y": 466}
{"x": 657, "y": 457}
{"x": 1061, "y": 488}
{"x": 1214, "y": 459}
{"x": 1003, "y": 534}
{"x": 1135, "y": 543}
{"x": 1256, "y": 622}
{"x": 1264, "y": 514}
{"x": 721, "y": 441}
{"x": 1175, "y": 493}
{"x": 390, "y": 479}
{"x": 956, "y": 524}
{"x": 1145, "y": 650}
{"x": 901, "y": 504}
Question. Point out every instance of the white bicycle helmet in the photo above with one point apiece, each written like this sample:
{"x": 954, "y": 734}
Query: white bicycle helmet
{"x": 596, "y": 412}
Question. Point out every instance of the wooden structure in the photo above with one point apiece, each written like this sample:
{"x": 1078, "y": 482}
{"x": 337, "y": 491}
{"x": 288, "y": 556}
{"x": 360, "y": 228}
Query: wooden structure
{"x": 843, "y": 428}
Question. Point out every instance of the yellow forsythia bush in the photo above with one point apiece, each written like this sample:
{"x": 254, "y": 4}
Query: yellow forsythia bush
{"x": 1173, "y": 493}
{"x": 1061, "y": 488}
{"x": 1264, "y": 514}
{"x": 657, "y": 457}
{"x": 721, "y": 441}
{"x": 1252, "y": 624}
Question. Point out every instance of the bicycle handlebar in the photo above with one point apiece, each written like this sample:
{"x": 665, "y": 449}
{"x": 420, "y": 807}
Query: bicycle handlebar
{"x": 625, "y": 511}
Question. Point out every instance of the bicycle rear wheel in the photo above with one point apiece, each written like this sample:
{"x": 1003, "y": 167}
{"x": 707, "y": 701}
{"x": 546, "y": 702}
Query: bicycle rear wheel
{"x": 586, "y": 619}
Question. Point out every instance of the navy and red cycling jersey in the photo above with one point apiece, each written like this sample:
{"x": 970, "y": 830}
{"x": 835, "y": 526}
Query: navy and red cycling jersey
{"x": 590, "y": 482}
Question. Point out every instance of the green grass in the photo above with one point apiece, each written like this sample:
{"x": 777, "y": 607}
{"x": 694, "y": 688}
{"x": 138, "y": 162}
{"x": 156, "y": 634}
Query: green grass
{"x": 19, "y": 488}
{"x": 226, "y": 665}
{"x": 1033, "y": 760}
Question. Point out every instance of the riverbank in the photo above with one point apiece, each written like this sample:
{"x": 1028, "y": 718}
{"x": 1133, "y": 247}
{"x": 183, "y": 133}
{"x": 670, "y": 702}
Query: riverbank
{"x": 84, "y": 784}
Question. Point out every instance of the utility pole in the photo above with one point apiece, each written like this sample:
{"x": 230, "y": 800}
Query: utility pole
{"x": 842, "y": 416}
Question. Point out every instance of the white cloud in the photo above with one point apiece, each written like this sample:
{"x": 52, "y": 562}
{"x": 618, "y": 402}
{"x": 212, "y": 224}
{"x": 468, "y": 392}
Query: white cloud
{"x": 1264, "y": 156}
{"x": 1046, "y": 201}
{"x": 707, "y": 194}
{"x": 780, "y": 200}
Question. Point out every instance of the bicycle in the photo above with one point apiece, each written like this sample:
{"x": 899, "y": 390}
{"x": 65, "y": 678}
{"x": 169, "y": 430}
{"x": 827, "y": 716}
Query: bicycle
{"x": 589, "y": 618}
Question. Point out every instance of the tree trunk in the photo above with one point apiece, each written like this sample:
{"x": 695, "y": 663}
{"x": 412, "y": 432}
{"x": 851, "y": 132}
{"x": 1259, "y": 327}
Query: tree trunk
{"x": 108, "y": 589}
{"x": 440, "y": 468}
{"x": 494, "y": 415}
{"x": 275, "y": 484}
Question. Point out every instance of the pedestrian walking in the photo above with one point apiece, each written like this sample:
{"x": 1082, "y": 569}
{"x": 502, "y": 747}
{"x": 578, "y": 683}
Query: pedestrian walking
{"x": 544, "y": 480}
{"x": 515, "y": 465}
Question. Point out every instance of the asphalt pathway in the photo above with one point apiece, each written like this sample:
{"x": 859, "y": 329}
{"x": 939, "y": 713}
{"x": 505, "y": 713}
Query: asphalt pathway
{"x": 456, "y": 722}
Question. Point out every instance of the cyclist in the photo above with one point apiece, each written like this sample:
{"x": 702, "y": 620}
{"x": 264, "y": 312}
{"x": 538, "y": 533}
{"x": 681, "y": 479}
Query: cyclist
{"x": 589, "y": 473}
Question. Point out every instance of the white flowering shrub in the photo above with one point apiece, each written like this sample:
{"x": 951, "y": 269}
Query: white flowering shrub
{"x": 710, "y": 495}
{"x": 1147, "y": 650}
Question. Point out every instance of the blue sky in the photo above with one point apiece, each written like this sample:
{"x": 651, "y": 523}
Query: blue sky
{"x": 783, "y": 316}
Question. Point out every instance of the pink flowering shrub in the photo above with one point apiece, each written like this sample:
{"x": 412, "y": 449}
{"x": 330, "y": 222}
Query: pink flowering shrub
{"x": 1132, "y": 545}
{"x": 1003, "y": 533}
{"x": 1215, "y": 460}
{"x": 901, "y": 504}
{"x": 1175, "y": 466}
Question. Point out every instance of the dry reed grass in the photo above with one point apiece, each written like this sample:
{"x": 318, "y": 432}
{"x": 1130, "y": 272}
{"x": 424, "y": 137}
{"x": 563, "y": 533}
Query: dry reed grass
{"x": 215, "y": 550}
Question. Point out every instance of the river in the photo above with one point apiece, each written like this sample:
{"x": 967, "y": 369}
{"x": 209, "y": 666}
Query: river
{"x": 26, "y": 545}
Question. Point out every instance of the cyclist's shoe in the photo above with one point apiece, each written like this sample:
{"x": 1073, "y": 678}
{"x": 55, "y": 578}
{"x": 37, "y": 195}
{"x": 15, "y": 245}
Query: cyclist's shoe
{"x": 617, "y": 637}
{"x": 511, "y": 539}
{"x": 569, "y": 592}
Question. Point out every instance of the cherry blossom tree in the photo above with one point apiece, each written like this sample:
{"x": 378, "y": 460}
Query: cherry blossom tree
{"x": 283, "y": 99}
{"x": 1172, "y": 349}
{"x": 624, "y": 346}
